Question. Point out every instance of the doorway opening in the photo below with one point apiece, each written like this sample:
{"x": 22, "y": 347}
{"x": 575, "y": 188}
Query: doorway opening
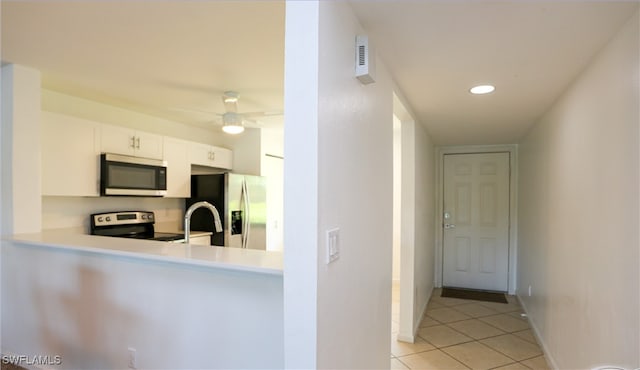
{"x": 403, "y": 292}
{"x": 476, "y": 197}
{"x": 476, "y": 221}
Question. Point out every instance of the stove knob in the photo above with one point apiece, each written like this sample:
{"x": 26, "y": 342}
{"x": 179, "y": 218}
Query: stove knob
{"x": 100, "y": 219}
{"x": 144, "y": 217}
{"x": 150, "y": 217}
{"x": 108, "y": 218}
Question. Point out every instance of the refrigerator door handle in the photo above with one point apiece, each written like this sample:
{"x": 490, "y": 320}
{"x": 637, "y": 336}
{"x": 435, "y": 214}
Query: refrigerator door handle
{"x": 243, "y": 197}
{"x": 245, "y": 216}
{"x": 248, "y": 214}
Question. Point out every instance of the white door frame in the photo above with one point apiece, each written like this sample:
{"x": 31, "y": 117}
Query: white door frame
{"x": 513, "y": 206}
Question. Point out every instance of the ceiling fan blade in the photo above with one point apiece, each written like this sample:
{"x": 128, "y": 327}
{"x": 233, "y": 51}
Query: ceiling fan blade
{"x": 252, "y": 123}
{"x": 261, "y": 114}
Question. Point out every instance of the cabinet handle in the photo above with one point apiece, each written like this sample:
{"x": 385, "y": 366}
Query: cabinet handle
{"x": 213, "y": 156}
{"x": 138, "y": 143}
{"x": 133, "y": 142}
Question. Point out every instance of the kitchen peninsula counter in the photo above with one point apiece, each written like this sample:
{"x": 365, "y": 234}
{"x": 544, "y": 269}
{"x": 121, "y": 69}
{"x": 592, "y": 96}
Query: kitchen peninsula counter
{"x": 241, "y": 260}
{"x": 94, "y": 298}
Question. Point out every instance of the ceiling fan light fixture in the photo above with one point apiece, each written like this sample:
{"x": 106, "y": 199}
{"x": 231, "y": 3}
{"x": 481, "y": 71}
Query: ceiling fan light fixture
{"x": 482, "y": 89}
{"x": 233, "y": 129}
{"x": 232, "y": 123}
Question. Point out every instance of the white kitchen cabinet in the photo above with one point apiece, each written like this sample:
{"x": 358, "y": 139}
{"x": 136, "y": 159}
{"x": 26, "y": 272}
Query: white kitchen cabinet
{"x": 176, "y": 154}
{"x": 210, "y": 156}
{"x": 200, "y": 240}
{"x": 70, "y": 156}
{"x": 126, "y": 141}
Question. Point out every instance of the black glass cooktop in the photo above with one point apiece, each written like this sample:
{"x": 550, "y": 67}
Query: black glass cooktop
{"x": 167, "y": 237}
{"x": 155, "y": 236}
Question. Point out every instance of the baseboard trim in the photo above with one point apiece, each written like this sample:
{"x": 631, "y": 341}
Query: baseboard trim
{"x": 406, "y": 338}
{"x": 423, "y": 310}
{"x": 543, "y": 345}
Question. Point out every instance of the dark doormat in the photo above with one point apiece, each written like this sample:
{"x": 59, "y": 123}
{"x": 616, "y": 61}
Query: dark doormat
{"x": 476, "y": 295}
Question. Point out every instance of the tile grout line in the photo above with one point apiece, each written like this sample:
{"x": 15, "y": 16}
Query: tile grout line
{"x": 497, "y": 350}
{"x": 478, "y": 318}
{"x": 405, "y": 365}
{"x": 455, "y": 359}
{"x": 477, "y": 340}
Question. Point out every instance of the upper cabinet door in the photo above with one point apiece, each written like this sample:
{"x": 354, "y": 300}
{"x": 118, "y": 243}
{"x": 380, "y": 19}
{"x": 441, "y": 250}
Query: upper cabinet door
{"x": 210, "y": 156}
{"x": 200, "y": 154}
{"x": 222, "y": 158}
{"x": 70, "y": 150}
{"x": 125, "y": 141}
{"x": 118, "y": 140}
{"x": 148, "y": 145}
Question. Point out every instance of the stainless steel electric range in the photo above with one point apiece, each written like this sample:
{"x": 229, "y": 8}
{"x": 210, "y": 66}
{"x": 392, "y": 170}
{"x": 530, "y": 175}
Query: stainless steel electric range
{"x": 129, "y": 224}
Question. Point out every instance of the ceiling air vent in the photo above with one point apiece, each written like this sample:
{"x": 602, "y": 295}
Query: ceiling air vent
{"x": 365, "y": 60}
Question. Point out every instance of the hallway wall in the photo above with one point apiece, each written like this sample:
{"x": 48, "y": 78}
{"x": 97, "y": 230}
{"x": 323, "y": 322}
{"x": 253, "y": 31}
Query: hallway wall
{"x": 424, "y": 208}
{"x": 578, "y": 215}
{"x": 338, "y": 174}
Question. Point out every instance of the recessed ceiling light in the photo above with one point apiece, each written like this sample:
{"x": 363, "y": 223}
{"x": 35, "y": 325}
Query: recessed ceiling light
{"x": 482, "y": 89}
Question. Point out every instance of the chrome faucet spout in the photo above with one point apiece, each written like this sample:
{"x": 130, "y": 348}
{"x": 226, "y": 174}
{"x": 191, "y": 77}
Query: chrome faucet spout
{"x": 187, "y": 218}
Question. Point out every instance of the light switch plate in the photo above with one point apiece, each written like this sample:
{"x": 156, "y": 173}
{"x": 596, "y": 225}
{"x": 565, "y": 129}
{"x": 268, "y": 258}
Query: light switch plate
{"x": 333, "y": 245}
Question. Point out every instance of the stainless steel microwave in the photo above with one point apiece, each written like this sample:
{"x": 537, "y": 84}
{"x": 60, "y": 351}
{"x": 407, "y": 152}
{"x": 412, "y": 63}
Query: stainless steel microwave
{"x": 132, "y": 176}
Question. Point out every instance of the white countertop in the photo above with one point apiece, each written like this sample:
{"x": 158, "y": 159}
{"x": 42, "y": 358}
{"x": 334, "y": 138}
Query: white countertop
{"x": 248, "y": 260}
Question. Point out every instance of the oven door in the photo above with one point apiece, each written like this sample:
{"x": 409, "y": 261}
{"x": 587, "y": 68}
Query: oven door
{"x": 132, "y": 176}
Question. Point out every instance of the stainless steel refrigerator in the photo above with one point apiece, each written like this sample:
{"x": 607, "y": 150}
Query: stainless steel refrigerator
{"x": 241, "y": 201}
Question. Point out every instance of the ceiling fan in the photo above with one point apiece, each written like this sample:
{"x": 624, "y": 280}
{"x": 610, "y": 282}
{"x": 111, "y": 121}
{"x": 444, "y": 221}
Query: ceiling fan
{"x": 234, "y": 122}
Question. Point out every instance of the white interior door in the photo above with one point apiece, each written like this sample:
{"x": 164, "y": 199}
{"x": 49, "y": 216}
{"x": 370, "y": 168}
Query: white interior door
{"x": 476, "y": 221}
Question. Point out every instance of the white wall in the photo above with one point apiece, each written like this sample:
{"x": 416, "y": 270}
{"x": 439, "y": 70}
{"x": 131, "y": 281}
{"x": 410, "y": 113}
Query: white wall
{"x": 89, "y": 309}
{"x": 247, "y": 151}
{"x": 578, "y": 214}
{"x": 301, "y": 185}
{"x": 424, "y": 256}
{"x": 355, "y": 175}
{"x": 21, "y": 161}
{"x": 273, "y": 141}
{"x": 272, "y": 164}
{"x": 346, "y": 131}
{"x": 417, "y": 227}
{"x": 73, "y": 212}
{"x": 397, "y": 198}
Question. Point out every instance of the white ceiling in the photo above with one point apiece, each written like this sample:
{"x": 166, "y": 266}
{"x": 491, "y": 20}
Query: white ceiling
{"x": 157, "y": 57}
{"x": 531, "y": 51}
{"x": 160, "y": 56}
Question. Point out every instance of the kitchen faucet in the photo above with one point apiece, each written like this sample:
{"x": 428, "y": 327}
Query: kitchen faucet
{"x": 187, "y": 218}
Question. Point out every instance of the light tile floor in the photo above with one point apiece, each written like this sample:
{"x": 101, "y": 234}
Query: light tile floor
{"x": 466, "y": 334}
